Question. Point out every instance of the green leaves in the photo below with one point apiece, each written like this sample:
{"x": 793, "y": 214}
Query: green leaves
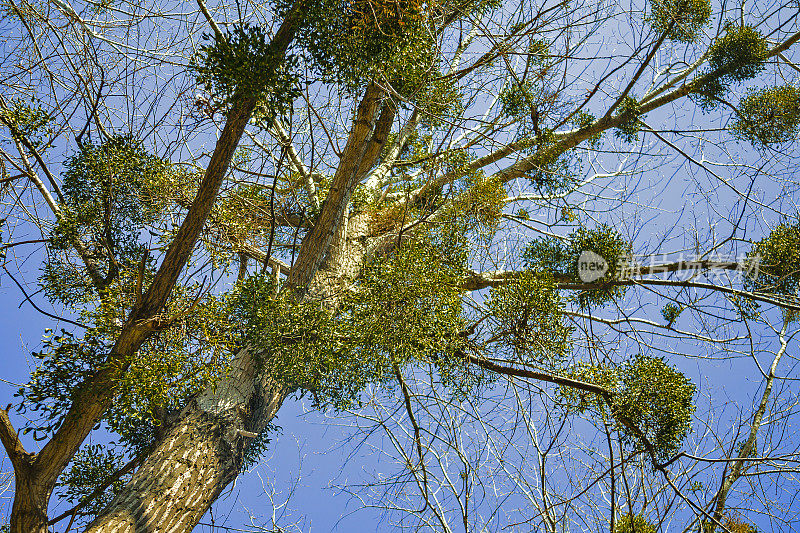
{"x": 778, "y": 257}
{"x": 406, "y": 309}
{"x": 111, "y": 192}
{"x": 633, "y": 523}
{"x": 657, "y": 400}
{"x": 683, "y": 19}
{"x": 528, "y": 314}
{"x": 482, "y": 201}
{"x": 628, "y": 130}
{"x": 64, "y": 363}
{"x": 372, "y": 36}
{"x": 647, "y": 398}
{"x": 560, "y": 257}
{"x": 517, "y": 99}
{"x": 171, "y": 366}
{"x": 737, "y": 56}
{"x": 392, "y": 40}
{"x": 671, "y": 312}
{"x": 29, "y": 122}
{"x": 93, "y": 465}
{"x": 242, "y": 64}
{"x": 769, "y": 115}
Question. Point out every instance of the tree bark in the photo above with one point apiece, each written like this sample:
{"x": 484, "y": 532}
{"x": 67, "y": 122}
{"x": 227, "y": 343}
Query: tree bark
{"x": 198, "y": 456}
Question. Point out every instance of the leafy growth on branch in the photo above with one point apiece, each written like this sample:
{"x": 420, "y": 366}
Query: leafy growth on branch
{"x": 584, "y": 120}
{"x": 629, "y": 128}
{"x": 633, "y": 523}
{"x": 648, "y": 398}
{"x": 737, "y": 56}
{"x": 482, "y": 201}
{"x": 242, "y": 64}
{"x": 778, "y": 257}
{"x": 682, "y": 18}
{"x": 63, "y": 364}
{"x": 517, "y": 100}
{"x": 671, "y": 312}
{"x": 111, "y": 192}
{"x": 769, "y": 115}
{"x": 560, "y": 257}
{"x": 169, "y": 368}
{"x": 529, "y": 318}
{"x": 406, "y": 309}
{"x": 29, "y": 122}
{"x": 93, "y": 465}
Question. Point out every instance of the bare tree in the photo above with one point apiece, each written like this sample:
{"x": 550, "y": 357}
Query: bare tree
{"x": 526, "y": 236}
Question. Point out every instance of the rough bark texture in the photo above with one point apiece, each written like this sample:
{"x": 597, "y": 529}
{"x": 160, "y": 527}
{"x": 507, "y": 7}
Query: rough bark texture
{"x": 357, "y": 156}
{"x": 199, "y": 455}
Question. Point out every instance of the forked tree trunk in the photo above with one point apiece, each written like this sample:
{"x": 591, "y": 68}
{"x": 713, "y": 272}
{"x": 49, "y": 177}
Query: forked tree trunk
{"x": 202, "y": 452}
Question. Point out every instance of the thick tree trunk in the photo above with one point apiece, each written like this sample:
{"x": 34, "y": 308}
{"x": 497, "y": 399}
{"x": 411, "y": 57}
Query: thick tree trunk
{"x": 30, "y": 505}
{"x": 198, "y": 456}
{"x": 203, "y": 451}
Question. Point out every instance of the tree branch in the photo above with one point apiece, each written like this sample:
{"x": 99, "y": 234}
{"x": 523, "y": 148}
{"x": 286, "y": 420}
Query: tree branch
{"x": 13, "y": 446}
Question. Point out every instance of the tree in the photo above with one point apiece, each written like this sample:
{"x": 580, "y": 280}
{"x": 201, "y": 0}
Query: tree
{"x": 361, "y": 198}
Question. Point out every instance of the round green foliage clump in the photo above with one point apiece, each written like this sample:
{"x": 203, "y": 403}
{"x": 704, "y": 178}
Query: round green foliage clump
{"x": 737, "y": 56}
{"x": 111, "y": 192}
{"x": 28, "y": 122}
{"x": 529, "y": 317}
{"x": 116, "y": 180}
{"x": 243, "y": 64}
{"x": 681, "y": 18}
{"x": 647, "y": 398}
{"x": 735, "y": 525}
{"x": 64, "y": 363}
{"x": 482, "y": 201}
{"x": 671, "y": 312}
{"x": 407, "y": 309}
{"x": 657, "y": 401}
{"x": 477, "y": 202}
{"x": 169, "y": 368}
{"x": 372, "y": 36}
{"x": 517, "y": 100}
{"x": 633, "y": 523}
{"x": 777, "y": 257}
{"x": 560, "y": 257}
{"x": 770, "y": 115}
{"x": 628, "y": 130}
{"x": 578, "y": 401}
{"x": 583, "y": 121}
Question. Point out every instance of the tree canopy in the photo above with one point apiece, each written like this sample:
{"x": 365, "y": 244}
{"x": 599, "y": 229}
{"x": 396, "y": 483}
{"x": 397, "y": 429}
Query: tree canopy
{"x": 543, "y": 256}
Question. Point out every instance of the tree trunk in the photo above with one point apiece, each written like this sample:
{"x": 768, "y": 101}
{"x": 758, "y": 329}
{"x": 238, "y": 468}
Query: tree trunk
{"x": 30, "y": 505}
{"x": 198, "y": 456}
{"x": 203, "y": 451}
